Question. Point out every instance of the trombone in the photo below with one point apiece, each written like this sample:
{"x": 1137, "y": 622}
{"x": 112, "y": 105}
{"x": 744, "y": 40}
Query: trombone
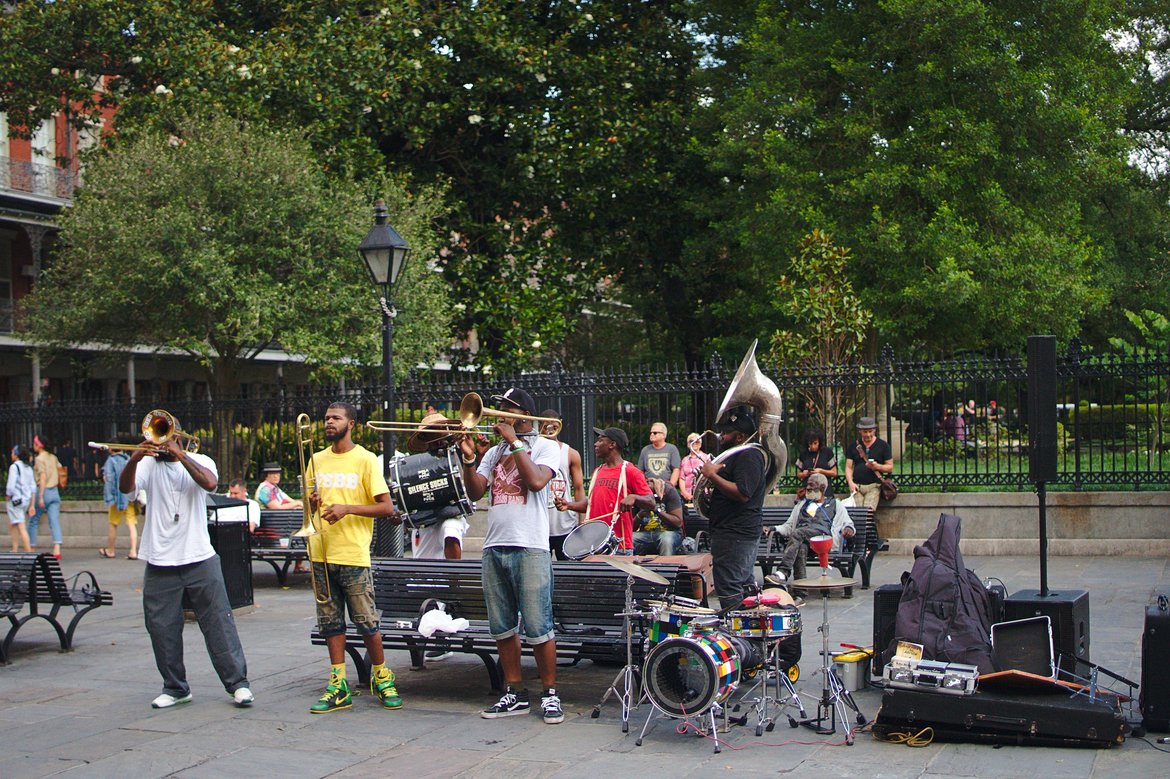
{"x": 471, "y": 411}
{"x": 311, "y": 525}
{"x": 158, "y": 427}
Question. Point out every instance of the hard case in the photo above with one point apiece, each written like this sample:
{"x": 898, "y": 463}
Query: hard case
{"x": 1004, "y": 718}
{"x": 1155, "y": 692}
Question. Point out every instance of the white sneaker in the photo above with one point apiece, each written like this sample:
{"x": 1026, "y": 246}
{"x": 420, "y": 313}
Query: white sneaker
{"x": 166, "y": 700}
{"x": 244, "y": 697}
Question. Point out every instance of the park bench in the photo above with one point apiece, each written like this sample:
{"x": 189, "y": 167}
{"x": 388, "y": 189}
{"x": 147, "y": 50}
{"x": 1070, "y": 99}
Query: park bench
{"x": 586, "y": 598}
{"x": 274, "y": 542}
{"x": 35, "y": 582}
{"x": 857, "y": 553}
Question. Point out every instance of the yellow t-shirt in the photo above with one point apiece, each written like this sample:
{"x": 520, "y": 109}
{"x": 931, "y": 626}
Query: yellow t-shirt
{"x": 352, "y": 478}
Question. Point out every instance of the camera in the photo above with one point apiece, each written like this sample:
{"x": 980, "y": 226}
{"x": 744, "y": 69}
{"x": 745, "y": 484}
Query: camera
{"x": 17, "y": 502}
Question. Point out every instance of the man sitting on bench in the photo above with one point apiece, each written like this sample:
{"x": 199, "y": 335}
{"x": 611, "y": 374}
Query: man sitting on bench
{"x": 658, "y": 530}
{"x": 816, "y": 515}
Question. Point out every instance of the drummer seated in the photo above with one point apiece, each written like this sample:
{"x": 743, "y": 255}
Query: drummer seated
{"x": 658, "y": 529}
{"x": 816, "y": 515}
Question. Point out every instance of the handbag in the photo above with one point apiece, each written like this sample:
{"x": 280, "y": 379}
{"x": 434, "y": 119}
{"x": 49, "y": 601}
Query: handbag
{"x": 62, "y": 476}
{"x": 888, "y": 489}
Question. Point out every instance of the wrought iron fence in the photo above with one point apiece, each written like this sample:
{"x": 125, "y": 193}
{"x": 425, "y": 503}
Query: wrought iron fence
{"x": 1114, "y": 412}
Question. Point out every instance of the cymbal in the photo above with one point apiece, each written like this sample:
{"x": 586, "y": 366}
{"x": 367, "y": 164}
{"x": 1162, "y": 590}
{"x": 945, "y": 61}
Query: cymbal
{"x": 633, "y": 569}
{"x": 823, "y": 583}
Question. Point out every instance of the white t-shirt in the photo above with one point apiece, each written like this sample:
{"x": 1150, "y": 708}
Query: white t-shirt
{"x": 517, "y": 517}
{"x": 175, "y": 530}
{"x": 561, "y": 522}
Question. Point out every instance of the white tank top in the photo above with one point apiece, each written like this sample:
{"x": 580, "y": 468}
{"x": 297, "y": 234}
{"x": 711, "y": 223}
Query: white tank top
{"x": 561, "y": 522}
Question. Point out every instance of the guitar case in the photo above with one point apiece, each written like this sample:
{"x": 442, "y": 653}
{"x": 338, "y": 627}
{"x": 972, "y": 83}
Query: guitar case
{"x": 1015, "y": 717}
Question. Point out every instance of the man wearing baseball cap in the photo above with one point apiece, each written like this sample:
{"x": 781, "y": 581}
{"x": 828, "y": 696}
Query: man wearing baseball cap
{"x": 736, "y": 507}
{"x": 615, "y": 488}
{"x": 517, "y": 563}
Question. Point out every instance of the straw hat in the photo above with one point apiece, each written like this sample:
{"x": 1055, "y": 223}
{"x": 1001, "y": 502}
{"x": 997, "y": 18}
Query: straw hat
{"x": 434, "y": 428}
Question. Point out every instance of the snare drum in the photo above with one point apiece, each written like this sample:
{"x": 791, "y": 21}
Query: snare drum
{"x": 590, "y": 538}
{"x": 686, "y": 675}
{"x": 763, "y": 623}
{"x": 672, "y": 619}
{"x": 428, "y": 488}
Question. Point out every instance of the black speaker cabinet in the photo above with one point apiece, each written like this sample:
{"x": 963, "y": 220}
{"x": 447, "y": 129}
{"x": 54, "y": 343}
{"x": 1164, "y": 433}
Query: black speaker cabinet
{"x": 1155, "y": 691}
{"x": 227, "y": 525}
{"x": 885, "y": 612}
{"x": 1068, "y": 610}
{"x": 1042, "y": 408}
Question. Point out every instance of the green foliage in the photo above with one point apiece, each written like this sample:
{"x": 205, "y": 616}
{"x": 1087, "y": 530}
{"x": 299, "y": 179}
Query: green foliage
{"x": 953, "y": 145}
{"x": 554, "y": 124}
{"x": 1153, "y": 333}
{"x": 222, "y": 239}
{"x": 826, "y": 320}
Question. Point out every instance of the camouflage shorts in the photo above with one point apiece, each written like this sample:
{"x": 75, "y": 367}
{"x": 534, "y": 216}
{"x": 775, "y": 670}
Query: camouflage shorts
{"x": 347, "y": 584}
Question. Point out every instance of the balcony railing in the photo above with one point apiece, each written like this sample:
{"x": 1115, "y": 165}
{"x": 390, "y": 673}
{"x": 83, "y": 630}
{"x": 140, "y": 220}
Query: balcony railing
{"x": 36, "y": 178}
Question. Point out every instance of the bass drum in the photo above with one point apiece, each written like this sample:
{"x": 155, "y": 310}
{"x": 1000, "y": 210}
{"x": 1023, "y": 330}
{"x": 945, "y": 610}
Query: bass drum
{"x": 428, "y": 488}
{"x": 590, "y": 538}
{"x": 687, "y": 675}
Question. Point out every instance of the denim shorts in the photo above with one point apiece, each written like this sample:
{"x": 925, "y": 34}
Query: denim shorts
{"x": 518, "y": 581}
{"x": 345, "y": 584}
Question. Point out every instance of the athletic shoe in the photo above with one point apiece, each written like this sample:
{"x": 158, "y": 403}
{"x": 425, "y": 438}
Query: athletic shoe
{"x": 779, "y": 578}
{"x": 166, "y": 700}
{"x": 511, "y": 704}
{"x": 243, "y": 697}
{"x": 435, "y": 655}
{"x": 382, "y": 687}
{"x": 336, "y": 697}
{"x": 550, "y": 706}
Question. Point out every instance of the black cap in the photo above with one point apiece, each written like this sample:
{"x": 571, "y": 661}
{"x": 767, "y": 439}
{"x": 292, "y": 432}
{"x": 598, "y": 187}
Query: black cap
{"x": 271, "y": 468}
{"x": 738, "y": 419}
{"x": 519, "y": 398}
{"x": 615, "y": 434}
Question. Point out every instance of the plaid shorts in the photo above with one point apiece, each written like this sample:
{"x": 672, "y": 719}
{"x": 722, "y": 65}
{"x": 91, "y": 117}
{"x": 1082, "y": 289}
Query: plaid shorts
{"x": 345, "y": 584}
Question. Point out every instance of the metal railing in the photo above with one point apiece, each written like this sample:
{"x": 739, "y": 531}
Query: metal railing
{"x": 36, "y": 178}
{"x": 1114, "y": 415}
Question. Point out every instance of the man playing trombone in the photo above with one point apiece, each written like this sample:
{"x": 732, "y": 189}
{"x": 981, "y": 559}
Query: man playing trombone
{"x": 349, "y": 491}
{"x": 181, "y": 561}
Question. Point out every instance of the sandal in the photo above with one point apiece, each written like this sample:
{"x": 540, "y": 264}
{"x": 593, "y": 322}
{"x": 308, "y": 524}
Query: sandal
{"x": 131, "y": 557}
{"x": 106, "y": 553}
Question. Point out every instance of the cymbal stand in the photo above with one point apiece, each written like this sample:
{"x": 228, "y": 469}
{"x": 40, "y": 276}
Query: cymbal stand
{"x": 627, "y": 676}
{"x": 835, "y": 699}
{"x": 771, "y": 671}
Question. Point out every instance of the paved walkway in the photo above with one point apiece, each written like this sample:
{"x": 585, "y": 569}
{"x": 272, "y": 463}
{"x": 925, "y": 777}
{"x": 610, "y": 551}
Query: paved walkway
{"x": 88, "y": 714}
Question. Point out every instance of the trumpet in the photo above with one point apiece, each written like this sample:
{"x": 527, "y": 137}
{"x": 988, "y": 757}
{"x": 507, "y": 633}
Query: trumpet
{"x": 158, "y": 427}
{"x": 311, "y": 525}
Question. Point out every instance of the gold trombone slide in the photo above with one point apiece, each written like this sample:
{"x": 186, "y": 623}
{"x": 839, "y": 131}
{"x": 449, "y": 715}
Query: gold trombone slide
{"x": 471, "y": 411}
{"x": 158, "y": 427}
{"x": 313, "y": 525}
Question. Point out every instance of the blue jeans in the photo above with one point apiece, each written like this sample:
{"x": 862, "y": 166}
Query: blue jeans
{"x": 663, "y": 542}
{"x": 53, "y": 509}
{"x": 517, "y": 582}
{"x": 733, "y": 567}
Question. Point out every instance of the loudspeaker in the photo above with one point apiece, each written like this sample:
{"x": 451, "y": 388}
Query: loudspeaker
{"x": 1155, "y": 690}
{"x": 1069, "y": 612}
{"x": 885, "y": 613}
{"x": 1042, "y": 407}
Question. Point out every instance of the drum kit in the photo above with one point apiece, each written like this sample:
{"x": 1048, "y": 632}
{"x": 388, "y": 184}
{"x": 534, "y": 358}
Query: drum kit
{"x": 696, "y": 659}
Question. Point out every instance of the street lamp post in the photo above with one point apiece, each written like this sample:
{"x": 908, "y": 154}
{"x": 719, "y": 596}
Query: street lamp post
{"x": 384, "y": 252}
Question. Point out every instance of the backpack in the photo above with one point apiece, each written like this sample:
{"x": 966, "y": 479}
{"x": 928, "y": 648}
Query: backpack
{"x": 944, "y": 606}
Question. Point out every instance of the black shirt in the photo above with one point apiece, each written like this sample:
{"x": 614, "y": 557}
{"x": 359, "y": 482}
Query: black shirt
{"x": 746, "y": 469}
{"x": 824, "y": 459}
{"x": 880, "y": 451}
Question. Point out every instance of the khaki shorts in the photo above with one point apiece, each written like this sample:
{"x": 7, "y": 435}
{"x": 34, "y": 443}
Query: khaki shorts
{"x": 130, "y": 514}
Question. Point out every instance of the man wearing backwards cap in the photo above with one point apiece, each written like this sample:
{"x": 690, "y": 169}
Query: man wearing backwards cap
{"x": 517, "y": 563}
{"x": 615, "y": 488}
{"x": 736, "y": 508}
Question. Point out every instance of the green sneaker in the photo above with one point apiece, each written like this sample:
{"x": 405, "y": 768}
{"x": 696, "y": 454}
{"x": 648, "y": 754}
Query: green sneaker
{"x": 336, "y": 697}
{"x": 382, "y": 687}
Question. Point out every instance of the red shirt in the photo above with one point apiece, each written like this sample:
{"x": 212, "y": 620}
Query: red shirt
{"x": 604, "y": 495}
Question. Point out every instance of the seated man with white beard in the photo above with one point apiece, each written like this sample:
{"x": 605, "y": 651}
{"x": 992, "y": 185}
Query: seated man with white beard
{"x": 816, "y": 515}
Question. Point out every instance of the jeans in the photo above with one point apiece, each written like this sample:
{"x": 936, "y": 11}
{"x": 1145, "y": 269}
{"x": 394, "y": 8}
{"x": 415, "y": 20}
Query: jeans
{"x": 661, "y": 542}
{"x": 53, "y": 509}
{"x": 163, "y": 588}
{"x": 733, "y": 567}
{"x": 518, "y": 582}
{"x": 795, "y": 544}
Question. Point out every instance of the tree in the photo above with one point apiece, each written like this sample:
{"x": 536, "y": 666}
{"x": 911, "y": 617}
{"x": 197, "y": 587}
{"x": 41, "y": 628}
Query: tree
{"x": 827, "y": 325}
{"x": 956, "y": 146}
{"x": 227, "y": 237}
{"x": 556, "y": 125}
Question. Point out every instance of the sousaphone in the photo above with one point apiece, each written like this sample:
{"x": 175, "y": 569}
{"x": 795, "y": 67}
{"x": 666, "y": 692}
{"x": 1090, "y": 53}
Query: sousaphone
{"x": 750, "y": 387}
